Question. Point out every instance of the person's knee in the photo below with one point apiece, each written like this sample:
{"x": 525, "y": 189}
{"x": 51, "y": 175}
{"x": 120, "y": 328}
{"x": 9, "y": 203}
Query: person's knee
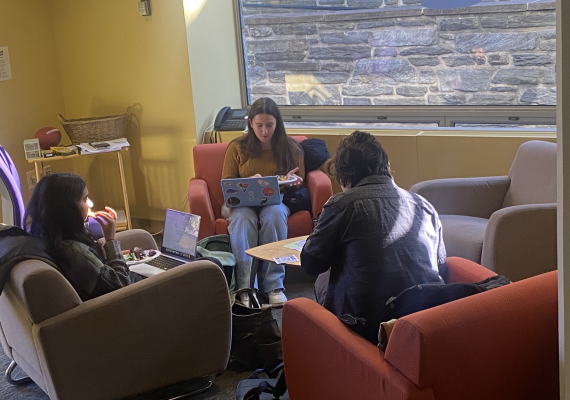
{"x": 274, "y": 214}
{"x": 243, "y": 216}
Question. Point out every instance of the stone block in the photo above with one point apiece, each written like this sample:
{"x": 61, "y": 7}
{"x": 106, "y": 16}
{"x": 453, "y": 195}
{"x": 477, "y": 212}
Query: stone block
{"x": 447, "y": 99}
{"x": 370, "y": 90}
{"x": 495, "y": 42}
{"x": 267, "y": 90}
{"x": 275, "y": 46}
{"x": 517, "y": 76}
{"x": 547, "y": 45}
{"x": 333, "y": 66}
{"x": 465, "y": 79}
{"x": 280, "y": 100}
{"x": 364, "y": 3}
{"x": 344, "y": 38}
{"x": 397, "y": 70}
{"x": 458, "y": 24}
{"x": 547, "y": 34}
{"x": 281, "y": 56}
{"x": 340, "y": 53}
{"x": 416, "y": 22}
{"x": 339, "y": 26}
{"x": 292, "y": 66}
{"x": 522, "y": 60}
{"x": 255, "y": 74}
{"x": 499, "y": 59}
{"x": 494, "y": 99}
{"x": 502, "y": 89}
{"x": 298, "y": 29}
{"x": 522, "y": 20}
{"x": 382, "y": 23}
{"x": 548, "y": 77}
{"x": 356, "y": 101}
{"x": 400, "y": 101}
{"x": 539, "y": 96}
{"x": 427, "y": 50}
{"x": 411, "y": 91}
{"x": 458, "y": 61}
{"x": 385, "y": 52}
{"x": 430, "y": 61}
{"x": 404, "y": 37}
{"x": 259, "y": 31}
{"x": 427, "y": 76}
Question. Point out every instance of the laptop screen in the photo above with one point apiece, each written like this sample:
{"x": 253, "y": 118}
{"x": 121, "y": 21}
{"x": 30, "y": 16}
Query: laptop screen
{"x": 180, "y": 234}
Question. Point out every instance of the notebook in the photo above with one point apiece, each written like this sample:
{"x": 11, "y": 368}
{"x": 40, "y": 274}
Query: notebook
{"x": 178, "y": 244}
{"x": 251, "y": 192}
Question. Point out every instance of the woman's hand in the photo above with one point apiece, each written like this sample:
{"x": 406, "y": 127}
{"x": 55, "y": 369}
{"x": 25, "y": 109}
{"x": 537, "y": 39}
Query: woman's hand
{"x": 297, "y": 182}
{"x": 256, "y": 176}
{"x": 108, "y": 221}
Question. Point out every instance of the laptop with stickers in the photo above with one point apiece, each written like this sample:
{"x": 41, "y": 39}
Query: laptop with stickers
{"x": 251, "y": 192}
{"x": 178, "y": 244}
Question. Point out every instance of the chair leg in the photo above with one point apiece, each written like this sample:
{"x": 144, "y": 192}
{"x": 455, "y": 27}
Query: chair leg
{"x": 198, "y": 390}
{"x": 8, "y": 375}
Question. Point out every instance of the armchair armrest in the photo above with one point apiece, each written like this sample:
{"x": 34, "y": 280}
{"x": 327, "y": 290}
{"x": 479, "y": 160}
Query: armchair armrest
{"x": 320, "y": 188}
{"x": 474, "y": 197}
{"x": 520, "y": 241}
{"x": 461, "y": 270}
{"x": 136, "y": 238}
{"x": 200, "y": 204}
{"x": 326, "y": 360}
{"x": 162, "y": 330}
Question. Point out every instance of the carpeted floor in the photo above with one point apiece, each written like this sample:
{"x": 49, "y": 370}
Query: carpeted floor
{"x": 297, "y": 284}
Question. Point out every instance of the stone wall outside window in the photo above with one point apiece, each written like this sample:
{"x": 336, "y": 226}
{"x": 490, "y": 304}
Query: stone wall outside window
{"x": 396, "y": 53}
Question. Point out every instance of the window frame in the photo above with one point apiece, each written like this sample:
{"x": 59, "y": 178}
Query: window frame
{"x": 444, "y": 116}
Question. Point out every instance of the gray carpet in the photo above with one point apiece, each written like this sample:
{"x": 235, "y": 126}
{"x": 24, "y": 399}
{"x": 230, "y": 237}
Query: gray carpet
{"x": 297, "y": 284}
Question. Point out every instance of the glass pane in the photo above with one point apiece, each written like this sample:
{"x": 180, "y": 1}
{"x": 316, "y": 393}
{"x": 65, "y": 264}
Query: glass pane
{"x": 396, "y": 53}
{"x": 362, "y": 126}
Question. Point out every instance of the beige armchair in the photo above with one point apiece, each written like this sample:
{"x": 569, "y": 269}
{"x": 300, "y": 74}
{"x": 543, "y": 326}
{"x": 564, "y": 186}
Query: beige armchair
{"x": 166, "y": 329}
{"x": 505, "y": 223}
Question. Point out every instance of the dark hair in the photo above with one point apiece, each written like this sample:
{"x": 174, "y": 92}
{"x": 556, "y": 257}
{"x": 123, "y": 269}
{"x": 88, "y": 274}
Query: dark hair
{"x": 284, "y": 148}
{"x": 52, "y": 213}
{"x": 358, "y": 156}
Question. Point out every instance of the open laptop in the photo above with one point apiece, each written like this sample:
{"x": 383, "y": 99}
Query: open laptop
{"x": 251, "y": 192}
{"x": 178, "y": 244}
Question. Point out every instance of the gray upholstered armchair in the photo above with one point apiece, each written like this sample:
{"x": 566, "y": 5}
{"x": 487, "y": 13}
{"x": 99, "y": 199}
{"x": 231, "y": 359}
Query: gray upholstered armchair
{"x": 505, "y": 223}
{"x": 165, "y": 329}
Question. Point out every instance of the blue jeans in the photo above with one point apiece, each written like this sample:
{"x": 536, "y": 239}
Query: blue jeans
{"x": 253, "y": 226}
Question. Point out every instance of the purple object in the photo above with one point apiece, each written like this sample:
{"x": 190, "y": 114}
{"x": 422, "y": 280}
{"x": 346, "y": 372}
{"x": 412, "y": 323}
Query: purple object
{"x": 11, "y": 180}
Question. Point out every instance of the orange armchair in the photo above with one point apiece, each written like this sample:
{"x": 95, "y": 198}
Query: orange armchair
{"x": 501, "y": 344}
{"x": 205, "y": 193}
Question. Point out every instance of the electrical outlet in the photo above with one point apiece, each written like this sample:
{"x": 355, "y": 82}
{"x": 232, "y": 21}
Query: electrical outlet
{"x": 47, "y": 170}
{"x": 31, "y": 179}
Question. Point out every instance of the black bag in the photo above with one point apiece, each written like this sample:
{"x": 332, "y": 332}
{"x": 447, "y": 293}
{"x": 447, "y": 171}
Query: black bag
{"x": 418, "y": 298}
{"x": 273, "y": 386}
{"x": 256, "y": 338}
{"x": 297, "y": 200}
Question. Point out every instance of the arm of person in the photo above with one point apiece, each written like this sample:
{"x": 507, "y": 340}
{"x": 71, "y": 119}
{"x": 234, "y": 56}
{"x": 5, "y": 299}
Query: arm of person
{"x": 230, "y": 169}
{"x": 92, "y": 277}
{"x": 322, "y": 245}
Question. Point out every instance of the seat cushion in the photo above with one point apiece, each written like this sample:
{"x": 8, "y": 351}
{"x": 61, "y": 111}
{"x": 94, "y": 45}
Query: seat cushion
{"x": 463, "y": 236}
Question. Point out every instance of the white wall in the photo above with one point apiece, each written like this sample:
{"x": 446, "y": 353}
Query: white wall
{"x": 213, "y": 55}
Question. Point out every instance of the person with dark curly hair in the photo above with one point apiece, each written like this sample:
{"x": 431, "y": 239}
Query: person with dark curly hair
{"x": 374, "y": 239}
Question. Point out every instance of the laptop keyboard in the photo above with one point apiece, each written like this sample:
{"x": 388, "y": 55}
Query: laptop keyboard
{"x": 164, "y": 263}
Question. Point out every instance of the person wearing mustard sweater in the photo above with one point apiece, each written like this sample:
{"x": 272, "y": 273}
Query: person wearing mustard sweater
{"x": 265, "y": 150}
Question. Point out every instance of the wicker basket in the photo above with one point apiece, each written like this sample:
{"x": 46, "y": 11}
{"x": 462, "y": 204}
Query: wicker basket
{"x": 96, "y": 129}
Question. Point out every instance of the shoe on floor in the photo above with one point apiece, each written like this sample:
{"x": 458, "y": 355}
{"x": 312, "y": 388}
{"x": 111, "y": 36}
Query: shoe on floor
{"x": 244, "y": 297}
{"x": 277, "y": 298}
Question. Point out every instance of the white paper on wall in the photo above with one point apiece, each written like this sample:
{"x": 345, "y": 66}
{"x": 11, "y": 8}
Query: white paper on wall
{"x": 5, "y": 70}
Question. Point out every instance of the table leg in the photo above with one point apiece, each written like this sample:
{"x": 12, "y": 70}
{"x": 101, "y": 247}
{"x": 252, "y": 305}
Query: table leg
{"x": 124, "y": 186}
{"x": 38, "y": 166}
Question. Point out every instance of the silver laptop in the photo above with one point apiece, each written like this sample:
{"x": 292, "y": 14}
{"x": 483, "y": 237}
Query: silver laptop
{"x": 251, "y": 192}
{"x": 178, "y": 244}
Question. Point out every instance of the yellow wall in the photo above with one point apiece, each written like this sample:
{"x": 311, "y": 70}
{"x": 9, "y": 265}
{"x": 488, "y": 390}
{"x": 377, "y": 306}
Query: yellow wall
{"x": 213, "y": 53}
{"x": 33, "y": 97}
{"x": 110, "y": 58}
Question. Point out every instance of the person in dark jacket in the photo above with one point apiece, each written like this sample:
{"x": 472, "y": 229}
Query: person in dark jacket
{"x": 56, "y": 214}
{"x": 374, "y": 239}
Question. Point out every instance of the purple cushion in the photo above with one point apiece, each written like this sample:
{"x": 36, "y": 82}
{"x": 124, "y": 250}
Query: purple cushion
{"x": 10, "y": 179}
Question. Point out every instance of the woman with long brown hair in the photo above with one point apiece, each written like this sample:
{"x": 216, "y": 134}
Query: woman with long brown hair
{"x": 265, "y": 150}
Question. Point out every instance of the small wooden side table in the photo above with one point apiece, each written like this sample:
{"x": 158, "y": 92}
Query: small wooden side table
{"x": 39, "y": 166}
{"x": 268, "y": 252}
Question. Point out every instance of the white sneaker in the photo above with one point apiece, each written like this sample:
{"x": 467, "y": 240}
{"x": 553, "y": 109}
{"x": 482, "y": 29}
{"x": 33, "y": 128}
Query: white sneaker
{"x": 277, "y": 298}
{"x": 244, "y": 297}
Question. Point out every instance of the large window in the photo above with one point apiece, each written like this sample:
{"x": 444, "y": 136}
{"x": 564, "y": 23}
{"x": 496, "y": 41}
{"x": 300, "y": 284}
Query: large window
{"x": 392, "y": 61}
